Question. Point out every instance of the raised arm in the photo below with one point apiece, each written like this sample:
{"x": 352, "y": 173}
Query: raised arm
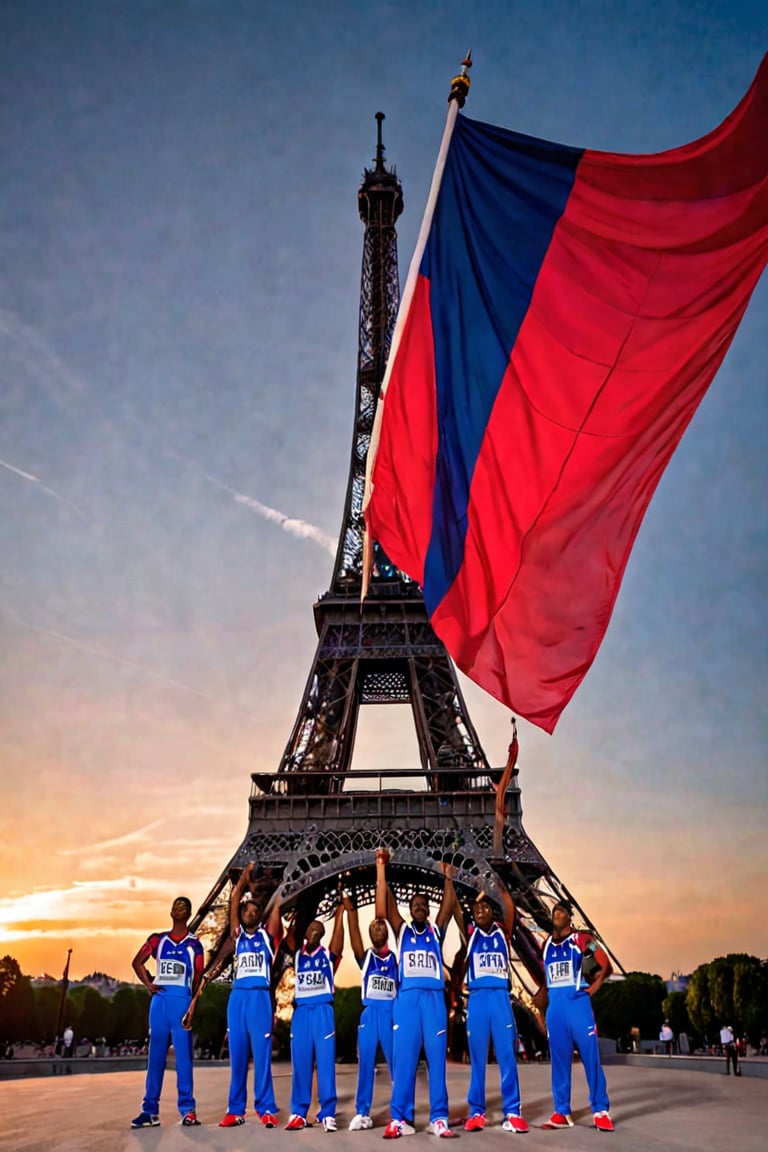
{"x": 509, "y": 910}
{"x": 449, "y": 901}
{"x": 238, "y": 889}
{"x": 386, "y": 905}
{"x": 353, "y": 923}
{"x": 336, "y": 946}
{"x": 273, "y": 918}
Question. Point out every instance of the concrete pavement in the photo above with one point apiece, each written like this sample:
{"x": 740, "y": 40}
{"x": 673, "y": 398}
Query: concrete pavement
{"x": 653, "y": 1108}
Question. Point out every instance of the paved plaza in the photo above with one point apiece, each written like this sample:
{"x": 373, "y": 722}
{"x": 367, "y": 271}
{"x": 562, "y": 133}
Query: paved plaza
{"x": 654, "y": 1108}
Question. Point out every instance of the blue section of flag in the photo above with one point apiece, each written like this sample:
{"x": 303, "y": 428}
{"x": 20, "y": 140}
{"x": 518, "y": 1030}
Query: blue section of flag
{"x": 501, "y": 197}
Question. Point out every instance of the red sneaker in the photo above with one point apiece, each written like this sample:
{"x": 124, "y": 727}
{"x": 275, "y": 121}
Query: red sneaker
{"x": 603, "y": 1122}
{"x": 268, "y": 1120}
{"x": 393, "y": 1130}
{"x": 515, "y": 1124}
{"x": 475, "y": 1123}
{"x": 295, "y": 1123}
{"x": 231, "y": 1121}
{"x": 558, "y": 1120}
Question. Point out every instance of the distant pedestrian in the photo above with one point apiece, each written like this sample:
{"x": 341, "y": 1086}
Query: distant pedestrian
{"x": 730, "y": 1051}
{"x": 667, "y": 1038}
{"x": 68, "y": 1041}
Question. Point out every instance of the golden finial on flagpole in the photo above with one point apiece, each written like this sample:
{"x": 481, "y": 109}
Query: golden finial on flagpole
{"x": 460, "y": 84}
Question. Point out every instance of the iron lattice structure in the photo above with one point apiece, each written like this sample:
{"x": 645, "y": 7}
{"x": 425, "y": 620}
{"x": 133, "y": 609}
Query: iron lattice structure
{"x": 316, "y": 823}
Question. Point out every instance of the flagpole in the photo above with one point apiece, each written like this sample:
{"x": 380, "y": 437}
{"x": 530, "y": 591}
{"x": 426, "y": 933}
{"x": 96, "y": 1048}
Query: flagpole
{"x": 63, "y": 995}
{"x": 456, "y": 100}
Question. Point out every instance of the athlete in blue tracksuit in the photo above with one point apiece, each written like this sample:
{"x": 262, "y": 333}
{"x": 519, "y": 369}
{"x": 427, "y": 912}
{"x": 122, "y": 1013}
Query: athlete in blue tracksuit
{"x": 420, "y": 1013}
{"x": 570, "y": 1019}
{"x": 379, "y": 990}
{"x": 249, "y": 1009}
{"x": 313, "y": 1028}
{"x": 490, "y": 1015}
{"x": 179, "y": 967}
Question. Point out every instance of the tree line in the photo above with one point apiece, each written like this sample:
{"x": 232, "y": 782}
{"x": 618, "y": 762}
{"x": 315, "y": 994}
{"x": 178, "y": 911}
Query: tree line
{"x": 731, "y": 990}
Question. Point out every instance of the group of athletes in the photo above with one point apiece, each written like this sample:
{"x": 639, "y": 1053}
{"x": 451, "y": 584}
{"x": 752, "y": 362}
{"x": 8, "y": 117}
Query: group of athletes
{"x": 404, "y": 1010}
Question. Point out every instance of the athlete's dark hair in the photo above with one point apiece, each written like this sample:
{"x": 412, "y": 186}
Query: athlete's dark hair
{"x": 185, "y": 900}
{"x": 566, "y": 907}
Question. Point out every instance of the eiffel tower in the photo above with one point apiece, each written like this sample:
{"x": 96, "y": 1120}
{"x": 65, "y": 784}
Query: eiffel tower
{"x": 317, "y": 821}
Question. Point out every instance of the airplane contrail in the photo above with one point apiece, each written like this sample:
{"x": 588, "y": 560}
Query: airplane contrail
{"x": 43, "y": 356}
{"x": 299, "y": 528}
{"x": 31, "y": 343}
{"x": 44, "y": 488}
{"x": 92, "y": 650}
{"x": 137, "y": 835}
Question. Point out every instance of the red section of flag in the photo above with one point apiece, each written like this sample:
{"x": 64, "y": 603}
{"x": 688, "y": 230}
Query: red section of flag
{"x": 642, "y": 288}
{"x": 649, "y": 273}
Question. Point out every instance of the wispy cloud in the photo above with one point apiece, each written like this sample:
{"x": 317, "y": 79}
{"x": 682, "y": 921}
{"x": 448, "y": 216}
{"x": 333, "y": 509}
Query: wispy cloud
{"x": 100, "y": 905}
{"x": 44, "y": 488}
{"x": 138, "y": 835}
{"x": 299, "y": 528}
{"x": 35, "y": 355}
{"x": 102, "y": 653}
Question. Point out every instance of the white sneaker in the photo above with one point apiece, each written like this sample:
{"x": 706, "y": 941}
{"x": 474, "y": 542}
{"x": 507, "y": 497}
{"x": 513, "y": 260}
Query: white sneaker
{"x": 359, "y": 1123}
{"x": 329, "y": 1124}
{"x": 440, "y": 1127}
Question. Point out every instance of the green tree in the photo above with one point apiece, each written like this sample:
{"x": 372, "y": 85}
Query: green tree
{"x": 697, "y": 1001}
{"x": 47, "y": 1009}
{"x": 636, "y": 1001}
{"x": 720, "y": 978}
{"x": 18, "y": 1020}
{"x": 10, "y": 975}
{"x": 94, "y": 1021}
{"x": 731, "y": 989}
{"x": 128, "y": 1015}
{"x": 673, "y": 1009}
{"x": 88, "y": 1012}
{"x": 210, "y": 1022}
{"x": 750, "y": 996}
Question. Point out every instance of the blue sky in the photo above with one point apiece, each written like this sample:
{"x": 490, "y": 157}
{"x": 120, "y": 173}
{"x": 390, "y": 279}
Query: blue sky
{"x": 179, "y": 285}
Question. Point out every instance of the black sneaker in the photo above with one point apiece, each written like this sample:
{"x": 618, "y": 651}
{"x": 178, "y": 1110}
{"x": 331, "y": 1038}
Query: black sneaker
{"x": 145, "y": 1120}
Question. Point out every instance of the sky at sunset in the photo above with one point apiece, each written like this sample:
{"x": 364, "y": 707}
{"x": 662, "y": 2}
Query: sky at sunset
{"x": 179, "y": 289}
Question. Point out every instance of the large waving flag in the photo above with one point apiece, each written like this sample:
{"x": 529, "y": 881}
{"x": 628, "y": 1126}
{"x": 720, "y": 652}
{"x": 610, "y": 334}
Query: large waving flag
{"x": 565, "y": 313}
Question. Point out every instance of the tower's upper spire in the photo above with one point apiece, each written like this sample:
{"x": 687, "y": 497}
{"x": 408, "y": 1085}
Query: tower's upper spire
{"x": 379, "y": 144}
{"x": 380, "y": 198}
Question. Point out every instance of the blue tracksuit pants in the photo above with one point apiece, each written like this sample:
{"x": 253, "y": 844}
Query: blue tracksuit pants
{"x": 420, "y": 1017}
{"x": 490, "y": 1016}
{"x": 166, "y": 1010}
{"x": 249, "y": 1018}
{"x": 313, "y": 1041}
{"x": 571, "y": 1021}
{"x": 375, "y": 1028}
